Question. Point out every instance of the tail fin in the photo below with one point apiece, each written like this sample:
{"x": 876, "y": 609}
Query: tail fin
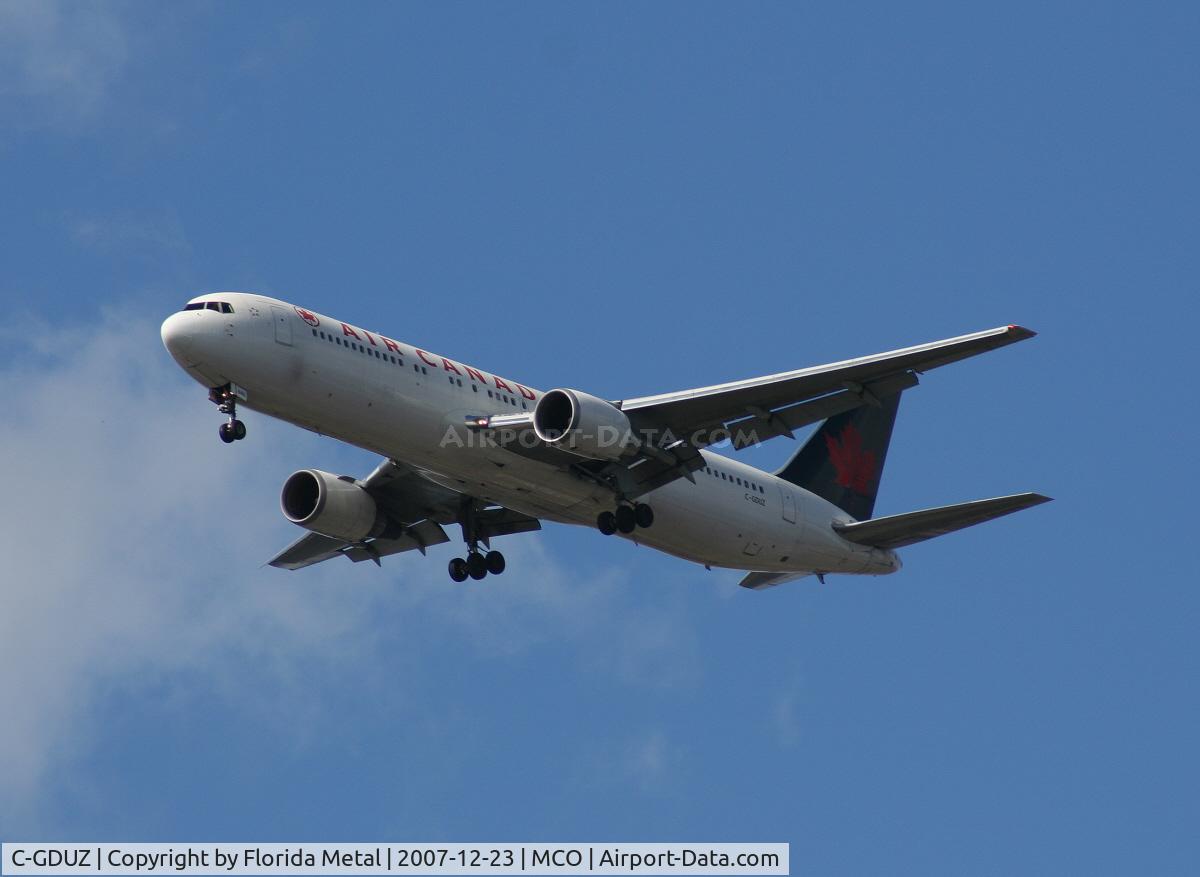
{"x": 843, "y": 460}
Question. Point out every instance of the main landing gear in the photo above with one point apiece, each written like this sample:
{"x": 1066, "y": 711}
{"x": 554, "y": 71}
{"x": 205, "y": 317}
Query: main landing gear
{"x": 625, "y": 519}
{"x": 476, "y": 565}
{"x": 226, "y": 401}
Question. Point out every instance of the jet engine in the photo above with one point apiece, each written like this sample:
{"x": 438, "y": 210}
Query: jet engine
{"x": 584, "y": 425}
{"x": 333, "y": 506}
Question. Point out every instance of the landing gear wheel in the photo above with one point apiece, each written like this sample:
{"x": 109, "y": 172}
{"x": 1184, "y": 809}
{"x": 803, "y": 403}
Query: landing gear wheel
{"x": 626, "y": 519}
{"x": 239, "y": 430}
{"x": 458, "y": 569}
{"x": 606, "y": 523}
{"x": 476, "y": 566}
{"x": 225, "y": 431}
{"x": 495, "y": 562}
{"x": 643, "y": 514}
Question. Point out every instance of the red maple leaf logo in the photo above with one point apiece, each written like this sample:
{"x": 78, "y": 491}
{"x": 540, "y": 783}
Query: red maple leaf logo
{"x": 854, "y": 465}
{"x": 308, "y": 317}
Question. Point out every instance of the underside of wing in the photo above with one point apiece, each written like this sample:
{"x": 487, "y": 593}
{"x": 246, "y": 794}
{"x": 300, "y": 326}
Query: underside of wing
{"x": 896, "y": 531}
{"x": 420, "y": 507}
{"x": 315, "y": 548}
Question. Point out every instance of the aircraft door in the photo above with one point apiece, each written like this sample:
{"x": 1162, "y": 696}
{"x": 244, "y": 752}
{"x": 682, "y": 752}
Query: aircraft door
{"x": 789, "y": 504}
{"x": 283, "y": 325}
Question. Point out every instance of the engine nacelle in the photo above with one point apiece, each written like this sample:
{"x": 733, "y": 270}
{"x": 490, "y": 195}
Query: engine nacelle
{"x": 332, "y": 506}
{"x": 584, "y": 425}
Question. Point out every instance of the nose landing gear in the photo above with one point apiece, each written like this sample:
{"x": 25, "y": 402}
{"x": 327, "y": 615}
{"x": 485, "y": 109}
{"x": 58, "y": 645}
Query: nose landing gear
{"x": 625, "y": 519}
{"x": 225, "y": 399}
{"x": 232, "y": 431}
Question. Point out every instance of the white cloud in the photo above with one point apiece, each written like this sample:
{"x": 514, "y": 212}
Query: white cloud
{"x": 123, "y": 233}
{"x": 651, "y": 759}
{"x": 59, "y": 61}
{"x": 785, "y": 717}
{"x": 133, "y": 543}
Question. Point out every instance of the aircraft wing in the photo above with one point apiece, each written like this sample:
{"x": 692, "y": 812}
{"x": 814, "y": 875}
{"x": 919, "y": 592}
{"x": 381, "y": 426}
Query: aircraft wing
{"x": 423, "y": 506}
{"x": 757, "y": 409}
{"x": 676, "y": 425}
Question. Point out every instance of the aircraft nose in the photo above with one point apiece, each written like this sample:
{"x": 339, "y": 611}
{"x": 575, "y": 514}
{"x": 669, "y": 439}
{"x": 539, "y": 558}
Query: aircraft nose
{"x": 178, "y": 335}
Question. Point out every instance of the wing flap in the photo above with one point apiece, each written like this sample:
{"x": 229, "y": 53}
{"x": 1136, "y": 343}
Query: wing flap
{"x": 307, "y": 550}
{"x": 896, "y": 531}
{"x": 501, "y": 521}
{"x": 315, "y": 548}
{"x": 783, "y": 421}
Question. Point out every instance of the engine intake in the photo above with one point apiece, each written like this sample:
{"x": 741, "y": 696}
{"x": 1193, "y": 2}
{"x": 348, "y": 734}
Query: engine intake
{"x": 584, "y": 425}
{"x": 334, "y": 507}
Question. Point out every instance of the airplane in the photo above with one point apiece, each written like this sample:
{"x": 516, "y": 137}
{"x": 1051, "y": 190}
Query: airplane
{"x": 467, "y": 447}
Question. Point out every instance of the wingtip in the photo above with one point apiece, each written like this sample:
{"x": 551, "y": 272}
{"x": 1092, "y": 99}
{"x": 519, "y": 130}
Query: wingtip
{"x": 1019, "y": 333}
{"x": 1032, "y": 499}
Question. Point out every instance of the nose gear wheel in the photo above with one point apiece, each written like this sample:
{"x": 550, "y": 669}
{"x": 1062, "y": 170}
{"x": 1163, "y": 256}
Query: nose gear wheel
{"x": 226, "y": 401}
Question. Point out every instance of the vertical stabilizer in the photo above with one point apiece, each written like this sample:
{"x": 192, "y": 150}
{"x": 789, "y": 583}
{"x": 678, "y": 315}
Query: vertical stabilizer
{"x": 843, "y": 460}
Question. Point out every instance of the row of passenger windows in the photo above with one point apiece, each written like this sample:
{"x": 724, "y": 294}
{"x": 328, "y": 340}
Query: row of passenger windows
{"x": 497, "y": 395}
{"x": 740, "y": 482}
{"x": 386, "y": 357}
{"x": 417, "y": 367}
{"x": 221, "y": 307}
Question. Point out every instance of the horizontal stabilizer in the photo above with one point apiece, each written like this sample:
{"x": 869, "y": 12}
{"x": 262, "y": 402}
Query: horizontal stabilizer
{"x": 896, "y": 531}
{"x": 757, "y": 581}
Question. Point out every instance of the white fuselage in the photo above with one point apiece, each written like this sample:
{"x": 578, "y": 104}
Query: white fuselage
{"x": 411, "y": 405}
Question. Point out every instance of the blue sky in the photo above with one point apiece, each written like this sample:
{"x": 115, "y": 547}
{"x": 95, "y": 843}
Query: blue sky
{"x": 627, "y": 200}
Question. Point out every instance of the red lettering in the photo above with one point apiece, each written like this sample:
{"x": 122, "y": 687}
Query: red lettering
{"x": 449, "y": 366}
{"x": 391, "y": 345}
{"x": 501, "y": 385}
{"x": 425, "y": 357}
{"x": 369, "y": 338}
{"x": 346, "y": 330}
{"x": 526, "y": 392}
{"x": 475, "y": 376}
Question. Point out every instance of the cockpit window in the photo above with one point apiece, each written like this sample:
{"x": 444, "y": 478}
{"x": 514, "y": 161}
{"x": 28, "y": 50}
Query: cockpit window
{"x": 221, "y": 307}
